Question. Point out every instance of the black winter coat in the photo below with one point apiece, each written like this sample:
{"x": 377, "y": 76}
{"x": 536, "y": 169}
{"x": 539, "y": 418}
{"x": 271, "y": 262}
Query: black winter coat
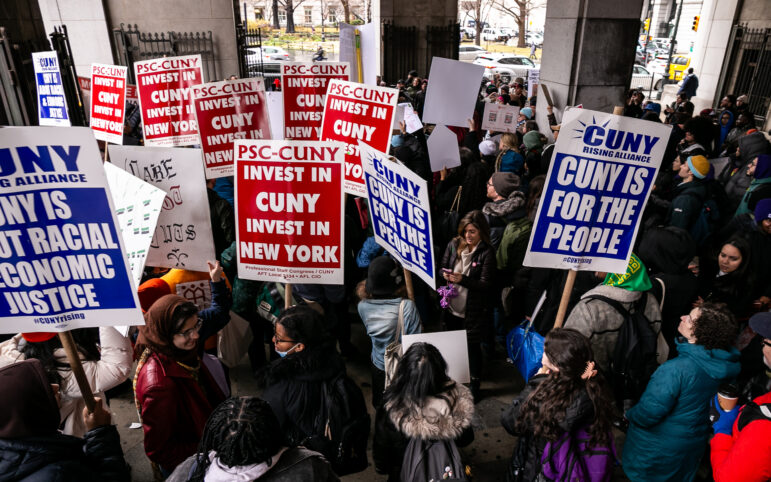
{"x": 479, "y": 282}
{"x": 293, "y": 387}
{"x": 97, "y": 456}
{"x": 579, "y": 414}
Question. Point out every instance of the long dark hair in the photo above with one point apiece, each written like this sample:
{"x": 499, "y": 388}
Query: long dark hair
{"x": 421, "y": 373}
{"x": 731, "y": 286}
{"x": 86, "y": 340}
{"x": 243, "y": 431}
{"x": 535, "y": 189}
{"x": 546, "y": 408}
{"x": 479, "y": 221}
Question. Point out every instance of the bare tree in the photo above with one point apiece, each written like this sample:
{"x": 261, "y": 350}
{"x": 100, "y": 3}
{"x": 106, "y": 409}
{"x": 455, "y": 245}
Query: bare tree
{"x": 346, "y": 10}
{"x": 289, "y": 8}
{"x": 478, "y": 10}
{"x": 519, "y": 9}
{"x": 274, "y": 8}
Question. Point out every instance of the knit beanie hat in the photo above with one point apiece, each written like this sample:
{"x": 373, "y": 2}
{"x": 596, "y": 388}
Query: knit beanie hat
{"x": 505, "y": 183}
{"x": 527, "y": 112}
{"x": 383, "y": 277}
{"x": 699, "y": 166}
{"x": 763, "y": 210}
{"x": 487, "y": 148}
{"x": 634, "y": 279}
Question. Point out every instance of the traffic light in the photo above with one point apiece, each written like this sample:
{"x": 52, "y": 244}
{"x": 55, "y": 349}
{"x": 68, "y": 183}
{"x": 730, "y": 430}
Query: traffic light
{"x": 695, "y": 26}
{"x": 647, "y": 24}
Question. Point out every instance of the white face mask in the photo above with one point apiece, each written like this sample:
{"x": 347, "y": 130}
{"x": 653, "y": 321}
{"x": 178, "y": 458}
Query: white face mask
{"x": 282, "y": 354}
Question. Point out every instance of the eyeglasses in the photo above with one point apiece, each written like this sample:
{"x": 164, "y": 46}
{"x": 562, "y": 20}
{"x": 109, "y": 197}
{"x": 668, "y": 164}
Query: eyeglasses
{"x": 767, "y": 343}
{"x": 188, "y": 333}
{"x": 490, "y": 183}
{"x": 279, "y": 340}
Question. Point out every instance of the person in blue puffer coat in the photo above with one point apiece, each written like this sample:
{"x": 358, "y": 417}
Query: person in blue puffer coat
{"x": 669, "y": 427}
{"x": 509, "y": 158}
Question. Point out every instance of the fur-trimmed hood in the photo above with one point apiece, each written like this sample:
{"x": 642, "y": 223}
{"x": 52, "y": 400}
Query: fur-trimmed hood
{"x": 440, "y": 418}
{"x": 312, "y": 364}
{"x": 505, "y": 207}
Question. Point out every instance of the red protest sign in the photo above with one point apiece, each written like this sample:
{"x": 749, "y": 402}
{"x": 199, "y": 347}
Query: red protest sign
{"x": 168, "y": 118}
{"x": 108, "y": 102}
{"x": 289, "y": 211}
{"x": 305, "y": 85}
{"x": 356, "y": 112}
{"x": 226, "y": 111}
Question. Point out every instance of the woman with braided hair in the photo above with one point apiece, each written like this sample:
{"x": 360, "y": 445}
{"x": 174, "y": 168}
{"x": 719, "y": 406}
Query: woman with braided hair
{"x": 242, "y": 441}
{"x": 566, "y": 396}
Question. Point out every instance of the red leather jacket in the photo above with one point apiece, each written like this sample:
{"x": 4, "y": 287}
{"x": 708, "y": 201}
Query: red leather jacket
{"x": 174, "y": 409}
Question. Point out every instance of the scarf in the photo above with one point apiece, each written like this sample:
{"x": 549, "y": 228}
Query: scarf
{"x": 503, "y": 208}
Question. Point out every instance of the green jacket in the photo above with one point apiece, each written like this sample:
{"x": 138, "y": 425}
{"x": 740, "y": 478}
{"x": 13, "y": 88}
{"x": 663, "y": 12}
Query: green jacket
{"x": 669, "y": 427}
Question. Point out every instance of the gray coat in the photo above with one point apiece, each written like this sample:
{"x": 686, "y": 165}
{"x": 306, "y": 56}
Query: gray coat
{"x": 601, "y": 323}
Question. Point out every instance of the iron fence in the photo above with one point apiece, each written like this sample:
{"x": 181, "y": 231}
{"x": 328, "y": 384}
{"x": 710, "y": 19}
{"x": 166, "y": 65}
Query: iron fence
{"x": 747, "y": 69}
{"x": 399, "y": 52}
{"x": 442, "y": 41}
{"x": 133, "y": 45}
{"x": 250, "y": 60}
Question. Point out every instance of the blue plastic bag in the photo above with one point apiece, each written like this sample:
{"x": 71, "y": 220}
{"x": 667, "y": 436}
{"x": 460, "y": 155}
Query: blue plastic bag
{"x": 525, "y": 349}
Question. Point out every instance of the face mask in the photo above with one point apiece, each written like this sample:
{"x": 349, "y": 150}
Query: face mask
{"x": 282, "y": 354}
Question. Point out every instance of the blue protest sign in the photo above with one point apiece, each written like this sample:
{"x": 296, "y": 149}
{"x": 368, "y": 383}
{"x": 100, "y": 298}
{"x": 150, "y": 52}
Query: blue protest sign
{"x": 602, "y": 171}
{"x": 51, "y": 103}
{"x": 399, "y": 212}
{"x": 61, "y": 255}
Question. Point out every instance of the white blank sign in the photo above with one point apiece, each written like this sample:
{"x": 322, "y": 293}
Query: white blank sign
{"x": 453, "y": 347}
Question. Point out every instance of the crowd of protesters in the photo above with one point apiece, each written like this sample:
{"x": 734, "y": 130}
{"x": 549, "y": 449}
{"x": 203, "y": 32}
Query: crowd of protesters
{"x": 700, "y": 278}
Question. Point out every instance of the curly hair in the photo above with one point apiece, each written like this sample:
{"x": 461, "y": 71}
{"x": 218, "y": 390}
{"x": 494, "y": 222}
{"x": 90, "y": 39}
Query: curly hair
{"x": 242, "y": 431}
{"x": 715, "y": 327}
{"x": 546, "y": 408}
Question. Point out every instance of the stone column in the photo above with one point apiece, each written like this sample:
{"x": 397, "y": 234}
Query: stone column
{"x": 588, "y": 54}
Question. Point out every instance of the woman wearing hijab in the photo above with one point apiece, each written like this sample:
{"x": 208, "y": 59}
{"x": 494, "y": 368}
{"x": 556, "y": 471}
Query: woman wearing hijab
{"x": 760, "y": 187}
{"x": 177, "y": 388}
{"x": 31, "y": 447}
{"x": 726, "y": 124}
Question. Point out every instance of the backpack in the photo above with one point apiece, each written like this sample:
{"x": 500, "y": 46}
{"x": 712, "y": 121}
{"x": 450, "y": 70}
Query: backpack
{"x": 342, "y": 426}
{"x": 511, "y": 251}
{"x": 713, "y": 214}
{"x": 634, "y": 356}
{"x": 432, "y": 460}
{"x": 751, "y": 412}
{"x": 570, "y": 458}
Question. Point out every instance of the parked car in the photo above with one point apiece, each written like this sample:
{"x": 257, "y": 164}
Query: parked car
{"x": 470, "y": 52}
{"x": 534, "y": 38}
{"x": 469, "y": 32}
{"x": 645, "y": 80}
{"x": 493, "y": 35}
{"x": 657, "y": 65}
{"x": 269, "y": 54}
{"x": 507, "y": 65}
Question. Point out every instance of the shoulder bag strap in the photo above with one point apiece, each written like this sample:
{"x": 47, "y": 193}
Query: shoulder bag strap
{"x": 663, "y": 293}
{"x": 456, "y": 202}
{"x": 400, "y": 325}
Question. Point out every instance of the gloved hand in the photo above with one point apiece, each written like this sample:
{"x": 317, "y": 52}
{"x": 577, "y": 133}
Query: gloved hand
{"x": 722, "y": 421}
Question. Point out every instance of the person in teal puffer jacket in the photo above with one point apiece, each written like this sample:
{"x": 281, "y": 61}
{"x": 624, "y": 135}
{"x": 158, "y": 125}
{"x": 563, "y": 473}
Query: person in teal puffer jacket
{"x": 669, "y": 427}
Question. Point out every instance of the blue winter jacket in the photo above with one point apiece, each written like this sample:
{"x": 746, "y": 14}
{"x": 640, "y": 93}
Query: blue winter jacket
{"x": 669, "y": 427}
